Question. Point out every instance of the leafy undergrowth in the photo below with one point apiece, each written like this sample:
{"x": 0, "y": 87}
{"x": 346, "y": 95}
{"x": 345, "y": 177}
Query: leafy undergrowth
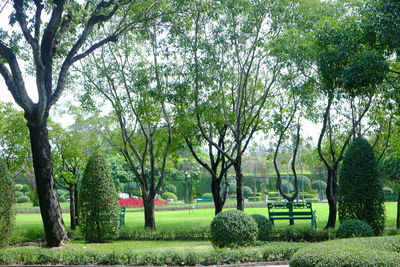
{"x": 356, "y": 252}
{"x": 149, "y": 252}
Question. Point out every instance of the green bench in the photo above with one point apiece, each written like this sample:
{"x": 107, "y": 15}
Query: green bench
{"x": 122, "y": 217}
{"x": 204, "y": 199}
{"x": 292, "y": 211}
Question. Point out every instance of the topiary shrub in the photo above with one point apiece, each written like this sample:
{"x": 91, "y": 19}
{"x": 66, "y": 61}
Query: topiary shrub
{"x": 287, "y": 187}
{"x": 98, "y": 198}
{"x": 354, "y": 228}
{"x": 169, "y": 195}
{"x": 264, "y": 227}
{"x": 25, "y": 189}
{"x": 23, "y": 199}
{"x": 62, "y": 198}
{"x": 317, "y": 185}
{"x": 18, "y": 187}
{"x": 361, "y": 187}
{"x": 233, "y": 228}
{"x": 18, "y": 194}
{"x": 7, "y": 200}
{"x": 247, "y": 191}
{"x": 170, "y": 188}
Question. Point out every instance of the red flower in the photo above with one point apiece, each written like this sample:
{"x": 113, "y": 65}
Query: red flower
{"x": 138, "y": 202}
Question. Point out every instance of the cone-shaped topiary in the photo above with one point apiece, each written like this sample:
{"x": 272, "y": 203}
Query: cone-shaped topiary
{"x": 99, "y": 210}
{"x": 361, "y": 187}
{"x": 7, "y": 200}
{"x": 233, "y": 228}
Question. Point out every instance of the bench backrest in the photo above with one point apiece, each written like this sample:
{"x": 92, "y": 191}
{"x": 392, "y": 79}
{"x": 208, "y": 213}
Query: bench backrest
{"x": 289, "y": 205}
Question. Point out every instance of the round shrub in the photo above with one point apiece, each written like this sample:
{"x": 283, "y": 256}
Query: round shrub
{"x": 233, "y": 228}
{"x": 287, "y": 187}
{"x": 18, "y": 194}
{"x": 25, "y": 189}
{"x": 247, "y": 191}
{"x": 169, "y": 195}
{"x": 361, "y": 187}
{"x": 98, "y": 198}
{"x": 18, "y": 187}
{"x": 317, "y": 185}
{"x": 62, "y": 198}
{"x": 7, "y": 200}
{"x": 170, "y": 188}
{"x": 354, "y": 228}
{"x": 264, "y": 227}
{"x": 23, "y": 199}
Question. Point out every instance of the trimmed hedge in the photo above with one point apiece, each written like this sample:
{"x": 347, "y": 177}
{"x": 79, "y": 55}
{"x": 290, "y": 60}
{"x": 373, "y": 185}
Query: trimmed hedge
{"x": 233, "y": 228}
{"x": 71, "y": 256}
{"x": 23, "y": 199}
{"x": 7, "y": 200}
{"x": 169, "y": 195}
{"x": 355, "y": 252}
{"x": 354, "y": 228}
{"x": 265, "y": 230}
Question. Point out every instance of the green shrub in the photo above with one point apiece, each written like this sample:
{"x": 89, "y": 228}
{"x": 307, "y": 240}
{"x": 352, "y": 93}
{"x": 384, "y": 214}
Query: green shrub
{"x": 264, "y": 227}
{"x": 354, "y": 228}
{"x": 169, "y": 195}
{"x": 387, "y": 190}
{"x": 25, "y": 189}
{"x": 62, "y": 198}
{"x": 18, "y": 187}
{"x": 23, "y": 199}
{"x": 7, "y": 200}
{"x": 207, "y": 195}
{"x": 317, "y": 185}
{"x": 99, "y": 210}
{"x": 18, "y": 194}
{"x": 361, "y": 187}
{"x": 355, "y": 252}
{"x": 247, "y": 191}
{"x": 287, "y": 187}
{"x": 233, "y": 228}
{"x": 170, "y": 188}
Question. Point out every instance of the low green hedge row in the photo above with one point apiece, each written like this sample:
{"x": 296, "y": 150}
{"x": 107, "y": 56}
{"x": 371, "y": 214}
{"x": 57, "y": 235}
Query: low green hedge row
{"x": 37, "y": 255}
{"x": 356, "y": 252}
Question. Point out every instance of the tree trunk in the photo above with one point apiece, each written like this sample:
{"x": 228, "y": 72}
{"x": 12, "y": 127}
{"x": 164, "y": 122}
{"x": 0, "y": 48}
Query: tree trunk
{"x": 149, "y": 221}
{"x": 56, "y": 234}
{"x": 330, "y": 196}
{"x": 72, "y": 211}
{"x": 216, "y": 192}
{"x": 398, "y": 210}
{"x": 239, "y": 186}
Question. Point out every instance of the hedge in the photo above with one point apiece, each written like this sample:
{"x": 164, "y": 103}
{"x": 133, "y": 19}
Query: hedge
{"x": 355, "y": 252}
{"x": 71, "y": 256}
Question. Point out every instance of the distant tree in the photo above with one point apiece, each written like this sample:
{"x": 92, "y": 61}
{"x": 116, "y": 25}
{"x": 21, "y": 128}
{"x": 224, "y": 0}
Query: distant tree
{"x": 98, "y": 201}
{"x": 361, "y": 187}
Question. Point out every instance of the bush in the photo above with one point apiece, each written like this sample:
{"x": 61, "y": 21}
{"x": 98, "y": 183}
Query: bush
{"x": 62, "y": 198}
{"x": 23, "y": 199}
{"x": 361, "y": 187}
{"x": 207, "y": 195}
{"x": 98, "y": 198}
{"x": 287, "y": 187}
{"x": 247, "y": 191}
{"x": 302, "y": 181}
{"x": 169, "y": 195}
{"x": 25, "y": 189}
{"x": 355, "y": 252}
{"x": 7, "y": 200}
{"x": 264, "y": 227}
{"x": 18, "y": 187}
{"x": 317, "y": 185}
{"x": 387, "y": 190}
{"x": 233, "y": 228}
{"x": 354, "y": 228}
{"x": 170, "y": 188}
{"x": 18, "y": 194}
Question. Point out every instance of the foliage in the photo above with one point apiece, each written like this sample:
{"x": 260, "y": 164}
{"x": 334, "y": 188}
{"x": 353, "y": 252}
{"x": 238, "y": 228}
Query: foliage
{"x": 98, "y": 200}
{"x": 25, "y": 189}
{"x": 233, "y": 228}
{"x": 147, "y": 253}
{"x": 170, "y": 188}
{"x": 265, "y": 230}
{"x": 387, "y": 190}
{"x": 207, "y": 195}
{"x": 247, "y": 191}
{"x": 169, "y": 195}
{"x": 18, "y": 187}
{"x": 7, "y": 200}
{"x": 357, "y": 252}
{"x": 287, "y": 187}
{"x": 360, "y": 187}
{"x": 318, "y": 185}
{"x": 23, "y": 199}
{"x": 354, "y": 228}
{"x": 18, "y": 194}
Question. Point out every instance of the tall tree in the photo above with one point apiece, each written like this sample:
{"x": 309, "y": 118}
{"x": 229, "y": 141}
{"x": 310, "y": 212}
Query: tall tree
{"x": 56, "y": 35}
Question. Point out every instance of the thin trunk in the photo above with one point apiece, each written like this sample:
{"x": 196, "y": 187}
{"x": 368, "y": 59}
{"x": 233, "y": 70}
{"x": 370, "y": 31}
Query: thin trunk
{"x": 216, "y": 189}
{"x": 239, "y": 185}
{"x": 149, "y": 221}
{"x": 330, "y": 196}
{"x": 56, "y": 234}
{"x": 398, "y": 210}
{"x": 72, "y": 211}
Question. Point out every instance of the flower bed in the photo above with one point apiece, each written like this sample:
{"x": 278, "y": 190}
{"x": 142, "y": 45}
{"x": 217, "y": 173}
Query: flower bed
{"x": 138, "y": 202}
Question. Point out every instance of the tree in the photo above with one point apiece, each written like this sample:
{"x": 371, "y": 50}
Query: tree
{"x": 361, "y": 187}
{"x": 390, "y": 169}
{"x": 56, "y": 34}
{"x": 7, "y": 212}
{"x": 137, "y": 90}
{"x": 98, "y": 200}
